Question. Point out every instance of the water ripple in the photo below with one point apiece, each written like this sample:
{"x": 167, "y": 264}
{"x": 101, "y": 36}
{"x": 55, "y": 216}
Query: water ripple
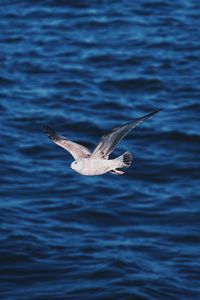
{"x": 84, "y": 68}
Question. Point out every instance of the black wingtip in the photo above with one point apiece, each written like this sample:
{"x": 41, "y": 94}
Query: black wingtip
{"x": 49, "y": 131}
{"x": 151, "y": 114}
{"x": 155, "y": 111}
{"x": 45, "y": 128}
{"x": 158, "y": 110}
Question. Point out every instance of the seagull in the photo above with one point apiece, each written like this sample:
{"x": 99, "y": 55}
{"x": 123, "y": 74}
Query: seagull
{"x": 97, "y": 162}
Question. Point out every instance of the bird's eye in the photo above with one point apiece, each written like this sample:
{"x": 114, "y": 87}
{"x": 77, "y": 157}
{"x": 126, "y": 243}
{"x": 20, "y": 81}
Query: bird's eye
{"x": 75, "y": 162}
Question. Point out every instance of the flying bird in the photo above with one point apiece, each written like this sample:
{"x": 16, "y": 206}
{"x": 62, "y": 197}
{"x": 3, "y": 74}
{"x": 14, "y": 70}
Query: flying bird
{"x": 98, "y": 162}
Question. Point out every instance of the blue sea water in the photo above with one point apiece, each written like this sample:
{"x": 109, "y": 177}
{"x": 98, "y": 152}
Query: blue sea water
{"x": 84, "y": 67}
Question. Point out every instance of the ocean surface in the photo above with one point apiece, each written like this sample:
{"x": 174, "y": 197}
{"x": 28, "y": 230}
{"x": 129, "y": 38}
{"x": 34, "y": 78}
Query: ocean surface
{"x": 83, "y": 68}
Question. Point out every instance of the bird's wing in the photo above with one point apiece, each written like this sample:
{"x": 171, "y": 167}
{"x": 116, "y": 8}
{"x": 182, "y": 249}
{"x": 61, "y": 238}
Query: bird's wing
{"x": 110, "y": 141}
{"x": 76, "y": 150}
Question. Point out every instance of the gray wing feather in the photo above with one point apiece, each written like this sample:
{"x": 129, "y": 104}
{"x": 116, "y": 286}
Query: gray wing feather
{"x": 110, "y": 141}
{"x": 76, "y": 150}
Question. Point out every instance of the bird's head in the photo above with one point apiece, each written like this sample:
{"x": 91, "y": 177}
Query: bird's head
{"x": 76, "y": 165}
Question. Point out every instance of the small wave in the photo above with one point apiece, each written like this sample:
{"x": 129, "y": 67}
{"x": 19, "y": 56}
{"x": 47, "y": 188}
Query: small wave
{"x": 102, "y": 218}
{"x": 6, "y": 81}
{"x": 2, "y": 108}
{"x": 134, "y": 84}
{"x": 180, "y": 136}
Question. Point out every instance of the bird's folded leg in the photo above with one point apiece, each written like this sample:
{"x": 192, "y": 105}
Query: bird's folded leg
{"x": 117, "y": 172}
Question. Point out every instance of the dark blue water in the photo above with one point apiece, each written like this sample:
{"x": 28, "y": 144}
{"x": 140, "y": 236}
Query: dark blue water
{"x": 84, "y": 67}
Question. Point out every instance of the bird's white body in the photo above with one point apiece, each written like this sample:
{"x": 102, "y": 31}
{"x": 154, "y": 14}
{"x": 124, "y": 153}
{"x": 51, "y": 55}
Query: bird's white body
{"x": 91, "y": 167}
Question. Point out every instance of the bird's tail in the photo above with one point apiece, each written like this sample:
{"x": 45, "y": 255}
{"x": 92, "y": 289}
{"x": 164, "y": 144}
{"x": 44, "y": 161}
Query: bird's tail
{"x": 124, "y": 160}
